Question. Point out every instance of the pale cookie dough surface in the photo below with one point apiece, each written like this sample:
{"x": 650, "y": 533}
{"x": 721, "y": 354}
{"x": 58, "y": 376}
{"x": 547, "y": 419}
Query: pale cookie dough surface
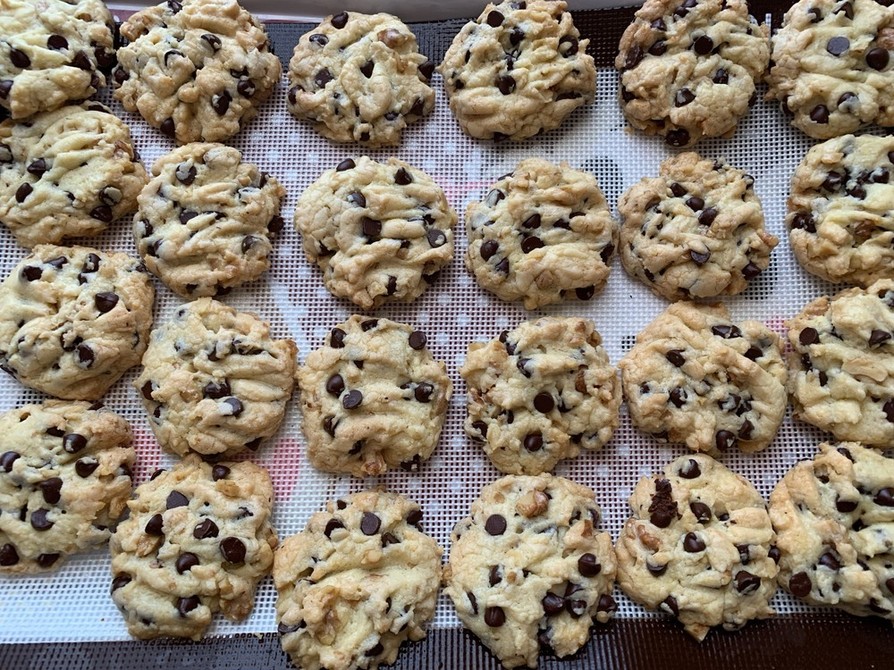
{"x": 65, "y": 477}
{"x": 699, "y": 546}
{"x": 196, "y": 69}
{"x": 695, "y": 376}
{"x": 67, "y": 173}
{"x": 834, "y": 520}
{"x": 206, "y": 219}
{"x": 832, "y": 65}
{"x": 74, "y": 319}
{"x": 541, "y": 393}
{"x": 689, "y": 69}
{"x": 695, "y": 231}
{"x": 529, "y": 568}
{"x": 373, "y": 398}
{"x": 360, "y": 78}
{"x": 53, "y": 52}
{"x": 841, "y": 367}
{"x": 543, "y": 233}
{"x": 358, "y": 581}
{"x": 380, "y": 232}
{"x": 841, "y": 210}
{"x": 517, "y": 70}
{"x": 214, "y": 381}
{"x": 197, "y": 541}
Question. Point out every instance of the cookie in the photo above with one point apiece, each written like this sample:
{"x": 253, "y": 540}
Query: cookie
{"x": 841, "y": 210}
{"x": 360, "y": 78}
{"x": 695, "y": 231}
{"x": 74, "y": 319}
{"x": 541, "y": 393}
{"x": 214, "y": 382}
{"x": 517, "y": 70}
{"x": 542, "y": 234}
{"x": 206, "y": 219}
{"x": 65, "y": 477}
{"x": 694, "y": 376}
{"x": 380, "y": 232}
{"x": 831, "y": 66}
{"x": 197, "y": 541}
{"x": 529, "y": 568}
{"x": 373, "y": 398}
{"x": 699, "y": 546}
{"x": 196, "y": 69}
{"x": 54, "y": 51}
{"x": 689, "y": 69}
{"x": 841, "y": 367}
{"x": 67, "y": 173}
{"x": 359, "y": 580}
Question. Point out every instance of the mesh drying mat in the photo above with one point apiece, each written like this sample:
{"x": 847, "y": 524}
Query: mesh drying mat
{"x": 73, "y": 605}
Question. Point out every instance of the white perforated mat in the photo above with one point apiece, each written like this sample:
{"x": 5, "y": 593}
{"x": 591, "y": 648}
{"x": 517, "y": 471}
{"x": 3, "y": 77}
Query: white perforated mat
{"x": 74, "y": 603}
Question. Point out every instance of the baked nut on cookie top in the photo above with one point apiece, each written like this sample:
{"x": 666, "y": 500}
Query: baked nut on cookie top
{"x": 519, "y": 69}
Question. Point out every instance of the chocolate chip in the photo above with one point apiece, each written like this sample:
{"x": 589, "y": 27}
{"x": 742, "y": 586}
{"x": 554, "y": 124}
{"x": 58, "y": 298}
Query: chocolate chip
{"x": 323, "y": 77}
{"x": 533, "y": 441}
{"x": 690, "y": 469}
{"x": 7, "y": 459}
{"x": 187, "y": 605}
{"x": 808, "y": 336}
{"x": 838, "y": 45}
{"x": 370, "y": 523}
{"x": 85, "y": 355}
{"x": 19, "y": 58}
{"x": 656, "y": 570}
{"x": 634, "y": 57}
{"x": 675, "y": 357}
{"x": 724, "y": 439}
{"x": 233, "y": 549}
{"x": 588, "y": 566}
{"x": 234, "y": 407}
{"x": 495, "y": 524}
{"x": 47, "y": 560}
{"x": 186, "y": 561}
{"x": 544, "y": 402}
{"x": 39, "y": 520}
{"x": 678, "y": 137}
{"x": 205, "y": 529}
{"x": 800, "y": 585}
{"x": 706, "y": 217}
{"x": 663, "y": 508}
{"x": 176, "y": 499}
{"x": 340, "y": 20}
{"x": 427, "y": 69}
{"x": 488, "y": 249}
{"x": 155, "y": 526}
{"x": 877, "y": 58}
{"x": 105, "y": 301}
{"x": 701, "y": 512}
{"x": 505, "y": 83}
{"x": 51, "y": 490}
{"x": 845, "y": 506}
{"x": 120, "y": 580}
{"x": 693, "y": 543}
{"x": 552, "y": 604}
{"x": 335, "y": 385}
{"x": 804, "y": 221}
{"x": 658, "y": 48}
{"x": 8, "y": 555}
{"x": 703, "y": 45}
{"x": 877, "y": 337}
{"x": 185, "y": 173}
{"x": 220, "y": 102}
{"x": 678, "y": 397}
{"x": 530, "y": 243}
{"x": 23, "y": 192}
{"x": 337, "y": 338}
{"x": 31, "y": 273}
{"x": 828, "y": 560}
{"x": 352, "y": 399}
{"x": 726, "y": 331}
{"x": 167, "y": 127}
{"x": 721, "y": 76}
{"x": 683, "y": 97}
{"x": 698, "y": 257}
{"x": 884, "y": 497}
{"x": 670, "y": 605}
{"x": 367, "y": 69}
{"x": 371, "y": 228}
{"x": 888, "y": 409}
{"x": 494, "y": 18}
{"x": 418, "y": 340}
{"x": 216, "y": 390}
{"x": 436, "y": 238}
{"x": 820, "y": 114}
{"x": 73, "y": 443}
{"x": 746, "y": 582}
{"x": 494, "y": 616}
{"x": 847, "y": 9}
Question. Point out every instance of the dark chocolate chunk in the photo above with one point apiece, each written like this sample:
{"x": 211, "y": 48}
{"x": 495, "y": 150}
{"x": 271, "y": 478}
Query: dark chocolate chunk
{"x": 663, "y": 508}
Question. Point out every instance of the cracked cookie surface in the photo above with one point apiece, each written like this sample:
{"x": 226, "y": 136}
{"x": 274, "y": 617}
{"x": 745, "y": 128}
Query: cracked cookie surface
{"x": 358, "y": 581}
{"x": 529, "y": 567}
{"x": 541, "y": 393}
{"x": 65, "y": 477}
{"x": 695, "y": 231}
{"x": 197, "y": 541}
{"x": 67, "y": 173}
{"x": 694, "y": 376}
{"x": 380, "y": 232}
{"x": 543, "y": 233}
{"x": 517, "y": 70}
{"x": 699, "y": 546}
{"x": 360, "y": 78}
{"x": 196, "y": 69}
{"x": 373, "y": 398}
{"x": 74, "y": 319}
{"x": 206, "y": 219}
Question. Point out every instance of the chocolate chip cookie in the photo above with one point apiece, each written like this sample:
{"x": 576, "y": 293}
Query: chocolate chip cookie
{"x": 542, "y": 234}
{"x": 196, "y": 69}
{"x": 67, "y": 173}
{"x": 358, "y": 581}
{"x": 65, "y": 477}
{"x": 695, "y": 376}
{"x": 380, "y": 232}
{"x": 529, "y": 568}
{"x": 214, "y": 381}
{"x": 197, "y": 541}
{"x": 360, "y": 78}
{"x": 74, "y": 319}
{"x": 541, "y": 393}
{"x": 699, "y": 546}
{"x": 831, "y": 65}
{"x": 840, "y": 366}
{"x": 373, "y": 398}
{"x": 54, "y": 51}
{"x": 695, "y": 231}
{"x": 834, "y": 517}
{"x": 206, "y": 219}
{"x": 517, "y": 70}
{"x": 690, "y": 69}
{"x": 841, "y": 210}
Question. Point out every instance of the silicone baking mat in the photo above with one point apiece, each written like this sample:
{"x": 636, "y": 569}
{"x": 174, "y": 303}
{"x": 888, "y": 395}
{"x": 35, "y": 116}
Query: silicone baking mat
{"x": 73, "y": 604}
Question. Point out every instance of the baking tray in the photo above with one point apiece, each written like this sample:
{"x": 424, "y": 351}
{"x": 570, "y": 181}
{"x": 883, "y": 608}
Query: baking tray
{"x": 67, "y": 620}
